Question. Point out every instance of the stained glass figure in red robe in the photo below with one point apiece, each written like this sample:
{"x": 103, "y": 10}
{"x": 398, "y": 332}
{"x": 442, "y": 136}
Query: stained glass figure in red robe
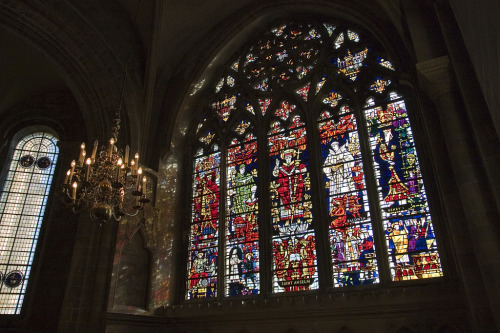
{"x": 290, "y": 174}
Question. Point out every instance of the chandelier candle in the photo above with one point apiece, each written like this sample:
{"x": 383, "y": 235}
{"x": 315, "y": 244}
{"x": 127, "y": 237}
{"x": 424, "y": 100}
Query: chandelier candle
{"x": 100, "y": 183}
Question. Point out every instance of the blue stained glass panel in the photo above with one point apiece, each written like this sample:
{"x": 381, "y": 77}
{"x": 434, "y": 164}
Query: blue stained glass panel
{"x": 411, "y": 243}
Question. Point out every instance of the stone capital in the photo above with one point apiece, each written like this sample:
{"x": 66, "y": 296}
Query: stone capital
{"x": 436, "y": 76}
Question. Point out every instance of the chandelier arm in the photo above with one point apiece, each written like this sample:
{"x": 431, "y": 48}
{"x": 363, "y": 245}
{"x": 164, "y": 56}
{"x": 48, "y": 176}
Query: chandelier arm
{"x": 134, "y": 214}
{"x": 117, "y": 218}
{"x": 129, "y": 203}
{"x": 77, "y": 211}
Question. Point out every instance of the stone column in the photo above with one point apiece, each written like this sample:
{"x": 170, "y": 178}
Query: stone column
{"x": 483, "y": 131}
{"x": 88, "y": 279}
{"x": 87, "y": 283}
{"x": 479, "y": 223}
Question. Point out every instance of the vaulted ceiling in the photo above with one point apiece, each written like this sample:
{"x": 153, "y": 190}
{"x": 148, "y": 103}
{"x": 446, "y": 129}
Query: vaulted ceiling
{"x": 83, "y": 46}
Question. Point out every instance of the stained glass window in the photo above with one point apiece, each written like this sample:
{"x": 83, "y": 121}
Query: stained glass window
{"x": 410, "y": 237}
{"x": 203, "y": 242}
{"x": 294, "y": 244}
{"x": 350, "y": 226}
{"x": 306, "y": 131}
{"x": 242, "y": 232}
{"x": 22, "y": 206}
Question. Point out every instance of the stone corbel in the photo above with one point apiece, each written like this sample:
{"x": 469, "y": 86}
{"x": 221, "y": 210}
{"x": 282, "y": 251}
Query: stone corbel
{"x": 436, "y": 76}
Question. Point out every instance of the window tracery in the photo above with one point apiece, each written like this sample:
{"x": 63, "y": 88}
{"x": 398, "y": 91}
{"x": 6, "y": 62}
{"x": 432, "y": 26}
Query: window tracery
{"x": 307, "y": 128}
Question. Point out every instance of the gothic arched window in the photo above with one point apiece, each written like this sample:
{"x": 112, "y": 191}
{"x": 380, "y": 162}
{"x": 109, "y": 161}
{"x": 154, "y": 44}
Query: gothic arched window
{"x": 22, "y": 206}
{"x": 306, "y": 133}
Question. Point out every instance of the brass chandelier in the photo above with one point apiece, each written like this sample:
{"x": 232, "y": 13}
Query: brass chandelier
{"x": 99, "y": 182}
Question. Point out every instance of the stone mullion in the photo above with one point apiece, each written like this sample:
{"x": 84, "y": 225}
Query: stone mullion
{"x": 221, "y": 261}
{"x": 264, "y": 221}
{"x": 372, "y": 193}
{"x": 320, "y": 206}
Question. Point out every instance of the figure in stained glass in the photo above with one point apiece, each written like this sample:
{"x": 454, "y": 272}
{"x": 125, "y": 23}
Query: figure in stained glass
{"x": 412, "y": 174}
{"x": 338, "y": 170}
{"x": 206, "y": 203}
{"x": 389, "y": 161}
{"x": 367, "y": 252}
{"x": 244, "y": 193}
{"x": 290, "y": 178}
{"x": 198, "y": 273}
{"x": 294, "y": 247}
{"x": 409, "y": 233}
{"x": 242, "y": 247}
{"x": 351, "y": 233}
{"x": 276, "y": 76}
{"x": 398, "y": 241}
{"x": 249, "y": 268}
{"x": 235, "y": 264}
{"x": 202, "y": 280}
{"x": 202, "y": 265}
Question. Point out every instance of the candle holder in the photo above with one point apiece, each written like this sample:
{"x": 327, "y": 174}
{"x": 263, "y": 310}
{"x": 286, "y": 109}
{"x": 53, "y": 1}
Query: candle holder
{"x": 100, "y": 182}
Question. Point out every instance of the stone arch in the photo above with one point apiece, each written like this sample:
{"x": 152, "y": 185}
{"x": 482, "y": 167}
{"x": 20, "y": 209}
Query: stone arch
{"x": 219, "y": 43}
{"x": 95, "y": 81}
{"x": 57, "y": 110}
{"x": 185, "y": 87}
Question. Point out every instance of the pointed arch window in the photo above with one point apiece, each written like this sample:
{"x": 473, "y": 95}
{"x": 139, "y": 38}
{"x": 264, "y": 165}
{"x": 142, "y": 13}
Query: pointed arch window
{"x": 22, "y": 207}
{"x": 307, "y": 132}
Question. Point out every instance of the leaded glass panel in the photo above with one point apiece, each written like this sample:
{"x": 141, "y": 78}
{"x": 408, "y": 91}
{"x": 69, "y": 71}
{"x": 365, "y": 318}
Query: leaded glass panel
{"x": 411, "y": 243}
{"x": 22, "y": 206}
{"x": 294, "y": 244}
{"x": 242, "y": 232}
{"x": 368, "y": 183}
{"x": 350, "y": 226}
{"x": 204, "y": 235}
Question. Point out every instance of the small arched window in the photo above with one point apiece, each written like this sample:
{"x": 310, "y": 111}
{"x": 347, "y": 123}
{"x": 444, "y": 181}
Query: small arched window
{"x": 22, "y": 206}
{"x": 306, "y": 132}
